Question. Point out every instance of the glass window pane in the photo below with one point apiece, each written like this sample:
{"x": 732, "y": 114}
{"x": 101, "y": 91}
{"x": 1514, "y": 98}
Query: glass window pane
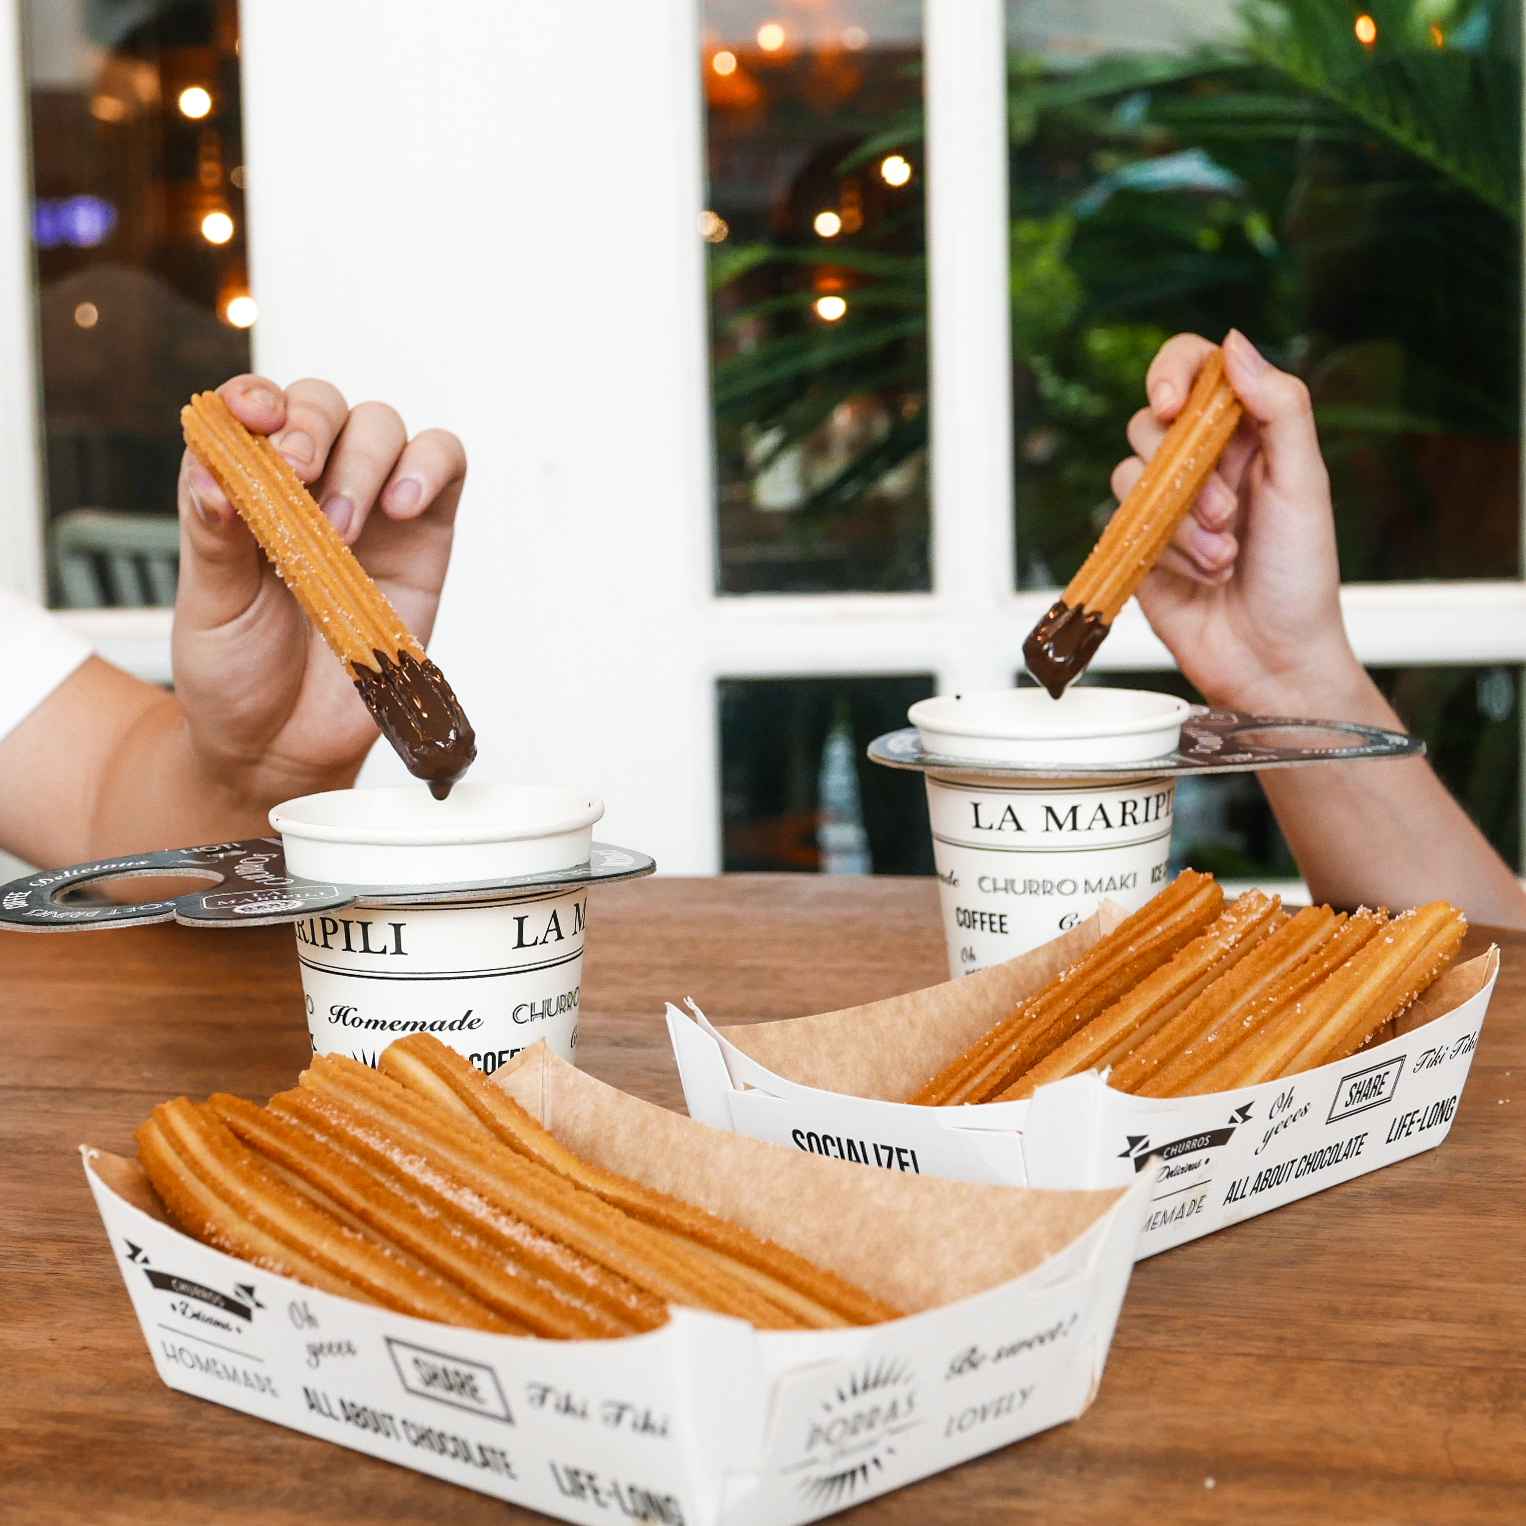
{"x": 797, "y": 791}
{"x": 1348, "y": 198}
{"x": 138, "y": 230}
{"x": 1470, "y": 718}
{"x": 817, "y": 254}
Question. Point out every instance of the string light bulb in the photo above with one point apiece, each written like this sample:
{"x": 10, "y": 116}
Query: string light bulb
{"x": 770, "y": 36}
{"x": 854, "y": 38}
{"x": 241, "y": 311}
{"x": 895, "y": 169}
{"x": 713, "y": 228}
{"x": 827, "y": 224}
{"x": 87, "y": 315}
{"x": 724, "y": 62}
{"x": 217, "y": 227}
{"x": 1366, "y": 30}
{"x": 830, "y": 308}
{"x": 195, "y": 101}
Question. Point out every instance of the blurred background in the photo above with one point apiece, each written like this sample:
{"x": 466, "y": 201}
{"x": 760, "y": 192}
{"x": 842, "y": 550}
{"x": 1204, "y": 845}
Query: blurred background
{"x": 756, "y": 187}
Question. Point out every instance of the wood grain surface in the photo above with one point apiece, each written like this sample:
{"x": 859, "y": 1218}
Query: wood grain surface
{"x": 1358, "y": 1356}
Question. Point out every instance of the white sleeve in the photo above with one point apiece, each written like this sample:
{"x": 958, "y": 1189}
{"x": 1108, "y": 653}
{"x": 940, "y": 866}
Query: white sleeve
{"x": 37, "y": 653}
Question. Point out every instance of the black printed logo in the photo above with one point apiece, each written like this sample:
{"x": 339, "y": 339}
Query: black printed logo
{"x": 1139, "y": 1149}
{"x": 240, "y": 1303}
{"x": 855, "y": 1433}
{"x": 1364, "y": 1089}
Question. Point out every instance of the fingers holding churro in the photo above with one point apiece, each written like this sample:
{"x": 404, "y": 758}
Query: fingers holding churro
{"x": 406, "y": 693}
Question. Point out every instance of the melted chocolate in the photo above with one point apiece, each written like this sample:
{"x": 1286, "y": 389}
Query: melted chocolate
{"x": 422, "y": 718}
{"x": 1062, "y": 644}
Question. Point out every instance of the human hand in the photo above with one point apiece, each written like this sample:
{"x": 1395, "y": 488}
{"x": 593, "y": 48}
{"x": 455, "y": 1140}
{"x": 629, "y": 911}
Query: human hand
{"x": 1247, "y": 597}
{"x": 270, "y": 712}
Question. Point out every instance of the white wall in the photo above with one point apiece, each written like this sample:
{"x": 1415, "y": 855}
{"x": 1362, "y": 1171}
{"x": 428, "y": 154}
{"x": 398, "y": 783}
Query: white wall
{"x": 472, "y": 210}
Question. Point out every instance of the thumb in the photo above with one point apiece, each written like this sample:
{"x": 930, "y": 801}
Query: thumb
{"x": 220, "y": 563}
{"x": 1281, "y": 406}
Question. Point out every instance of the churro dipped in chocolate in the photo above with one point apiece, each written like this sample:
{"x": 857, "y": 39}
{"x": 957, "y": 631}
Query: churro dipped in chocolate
{"x": 1061, "y": 646}
{"x": 405, "y": 692}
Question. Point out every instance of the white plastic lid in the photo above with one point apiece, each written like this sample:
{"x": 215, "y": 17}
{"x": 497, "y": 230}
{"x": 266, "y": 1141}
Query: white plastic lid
{"x": 403, "y": 836}
{"x": 1086, "y": 725}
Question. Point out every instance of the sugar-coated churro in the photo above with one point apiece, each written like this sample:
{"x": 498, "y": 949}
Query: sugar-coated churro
{"x": 1158, "y": 998}
{"x": 415, "y": 1189}
{"x": 1188, "y": 996}
{"x": 1062, "y": 644}
{"x": 217, "y": 1190}
{"x": 1228, "y": 997}
{"x": 1137, "y": 946}
{"x": 816, "y": 1296}
{"x": 405, "y": 692}
{"x": 1216, "y": 1061}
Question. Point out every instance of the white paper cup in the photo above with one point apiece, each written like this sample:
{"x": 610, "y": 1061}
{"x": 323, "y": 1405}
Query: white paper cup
{"x": 1020, "y": 862}
{"x": 488, "y": 976}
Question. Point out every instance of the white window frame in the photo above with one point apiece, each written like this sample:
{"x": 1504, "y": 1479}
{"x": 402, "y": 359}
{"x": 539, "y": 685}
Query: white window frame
{"x": 578, "y": 379}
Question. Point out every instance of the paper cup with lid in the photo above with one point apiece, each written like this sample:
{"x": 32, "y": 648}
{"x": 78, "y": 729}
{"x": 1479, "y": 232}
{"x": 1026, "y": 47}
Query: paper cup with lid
{"x": 1022, "y": 859}
{"x": 488, "y": 971}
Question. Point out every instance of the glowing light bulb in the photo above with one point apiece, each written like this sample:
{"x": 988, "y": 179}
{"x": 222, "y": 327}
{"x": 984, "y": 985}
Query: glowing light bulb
{"x": 895, "y": 169}
{"x": 830, "y": 308}
{"x": 241, "y": 311}
{"x": 770, "y": 36}
{"x": 724, "y": 62}
{"x": 854, "y": 38}
{"x": 713, "y": 228}
{"x": 195, "y": 102}
{"x": 827, "y": 224}
{"x": 217, "y": 227}
{"x": 87, "y": 315}
{"x": 1366, "y": 30}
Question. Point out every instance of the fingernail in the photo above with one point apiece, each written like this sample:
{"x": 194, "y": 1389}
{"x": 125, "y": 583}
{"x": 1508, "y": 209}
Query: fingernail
{"x": 1218, "y": 503}
{"x": 206, "y": 496}
{"x": 1210, "y": 547}
{"x": 297, "y": 446}
{"x": 340, "y": 511}
{"x": 404, "y": 495}
{"x": 1162, "y": 395}
{"x": 1250, "y": 356}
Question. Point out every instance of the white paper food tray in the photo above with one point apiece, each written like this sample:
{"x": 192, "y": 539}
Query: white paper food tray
{"x": 825, "y": 1084}
{"x": 706, "y": 1419}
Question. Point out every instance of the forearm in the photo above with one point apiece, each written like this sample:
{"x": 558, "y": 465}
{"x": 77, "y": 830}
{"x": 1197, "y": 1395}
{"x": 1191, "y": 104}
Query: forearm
{"x": 1380, "y": 833}
{"x": 105, "y": 766}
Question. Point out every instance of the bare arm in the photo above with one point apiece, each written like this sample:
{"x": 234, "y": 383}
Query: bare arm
{"x": 261, "y": 711}
{"x": 1248, "y": 601}
{"x": 104, "y": 766}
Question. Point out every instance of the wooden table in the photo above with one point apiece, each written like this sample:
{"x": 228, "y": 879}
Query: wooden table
{"x": 1354, "y": 1357}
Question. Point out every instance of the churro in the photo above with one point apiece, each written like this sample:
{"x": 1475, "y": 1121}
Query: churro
{"x": 1377, "y": 984}
{"x": 1061, "y": 646}
{"x": 814, "y": 1295}
{"x": 1158, "y": 998}
{"x": 407, "y": 695}
{"x": 1216, "y": 1062}
{"x": 1136, "y": 947}
{"x": 1227, "y": 998}
{"x": 417, "y": 1190}
{"x": 217, "y": 1190}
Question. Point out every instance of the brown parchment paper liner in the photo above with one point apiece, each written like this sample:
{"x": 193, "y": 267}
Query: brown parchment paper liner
{"x": 886, "y": 1050}
{"x": 917, "y": 1242}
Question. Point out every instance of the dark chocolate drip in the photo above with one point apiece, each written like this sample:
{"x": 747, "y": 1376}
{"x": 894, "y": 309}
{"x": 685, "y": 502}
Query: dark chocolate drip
{"x": 1060, "y": 647}
{"x": 422, "y": 718}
